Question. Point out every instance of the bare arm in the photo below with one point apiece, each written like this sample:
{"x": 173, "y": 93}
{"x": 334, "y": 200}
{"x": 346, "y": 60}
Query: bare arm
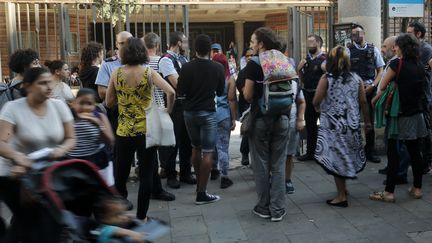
{"x": 165, "y": 87}
{"x": 106, "y": 130}
{"x": 301, "y": 107}
{"x": 232, "y": 99}
{"x": 299, "y": 69}
{"x": 173, "y": 79}
{"x": 248, "y": 90}
{"x": 111, "y": 96}
{"x": 389, "y": 75}
{"x": 68, "y": 142}
{"x": 6, "y": 151}
{"x": 321, "y": 92}
{"x": 364, "y": 108}
{"x": 101, "y": 91}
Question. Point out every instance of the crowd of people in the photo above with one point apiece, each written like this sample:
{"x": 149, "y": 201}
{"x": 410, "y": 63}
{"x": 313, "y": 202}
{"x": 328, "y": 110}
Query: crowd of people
{"x": 105, "y": 122}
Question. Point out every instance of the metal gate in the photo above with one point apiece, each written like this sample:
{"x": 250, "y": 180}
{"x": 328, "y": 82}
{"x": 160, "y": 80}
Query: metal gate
{"x": 309, "y": 20}
{"x": 59, "y": 30}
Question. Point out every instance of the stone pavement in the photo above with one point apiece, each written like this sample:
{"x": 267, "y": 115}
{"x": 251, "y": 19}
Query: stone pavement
{"x": 308, "y": 219}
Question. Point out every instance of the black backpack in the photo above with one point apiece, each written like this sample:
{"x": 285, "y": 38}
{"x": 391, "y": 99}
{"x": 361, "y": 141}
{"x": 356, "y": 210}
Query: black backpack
{"x": 9, "y": 92}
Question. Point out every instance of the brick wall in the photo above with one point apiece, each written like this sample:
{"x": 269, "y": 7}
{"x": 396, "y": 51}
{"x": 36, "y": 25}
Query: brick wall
{"x": 47, "y": 50}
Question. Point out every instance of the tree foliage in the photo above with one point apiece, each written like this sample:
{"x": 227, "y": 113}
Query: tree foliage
{"x": 116, "y": 10}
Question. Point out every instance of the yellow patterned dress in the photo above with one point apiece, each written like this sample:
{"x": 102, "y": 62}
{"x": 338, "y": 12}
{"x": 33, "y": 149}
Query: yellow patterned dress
{"x": 132, "y": 102}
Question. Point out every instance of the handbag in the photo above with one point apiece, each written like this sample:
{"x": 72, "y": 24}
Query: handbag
{"x": 160, "y": 128}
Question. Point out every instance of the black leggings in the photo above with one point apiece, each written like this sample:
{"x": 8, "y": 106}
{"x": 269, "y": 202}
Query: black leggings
{"x": 413, "y": 147}
{"x": 126, "y": 147}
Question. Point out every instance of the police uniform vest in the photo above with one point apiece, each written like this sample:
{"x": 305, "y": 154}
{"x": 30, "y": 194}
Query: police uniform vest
{"x": 176, "y": 62}
{"x": 312, "y": 72}
{"x": 363, "y": 61}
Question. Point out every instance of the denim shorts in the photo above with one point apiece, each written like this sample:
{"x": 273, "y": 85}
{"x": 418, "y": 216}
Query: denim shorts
{"x": 202, "y": 129}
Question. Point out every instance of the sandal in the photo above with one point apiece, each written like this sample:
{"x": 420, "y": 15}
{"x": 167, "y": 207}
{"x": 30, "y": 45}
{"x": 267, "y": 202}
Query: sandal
{"x": 413, "y": 194}
{"x": 379, "y": 196}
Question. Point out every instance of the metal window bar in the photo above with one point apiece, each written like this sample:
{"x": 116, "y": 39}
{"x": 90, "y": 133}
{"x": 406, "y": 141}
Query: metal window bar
{"x": 135, "y": 14}
{"x": 78, "y": 28}
{"x": 29, "y": 41}
{"x": 55, "y": 31}
{"x": 94, "y": 21}
{"x": 103, "y": 25}
{"x": 127, "y": 19}
{"x": 167, "y": 24}
{"x": 20, "y": 42}
{"x": 111, "y": 29}
{"x": 86, "y": 22}
{"x": 37, "y": 26}
{"x": 175, "y": 17}
{"x": 48, "y": 50}
{"x": 143, "y": 19}
{"x": 160, "y": 26}
{"x": 151, "y": 18}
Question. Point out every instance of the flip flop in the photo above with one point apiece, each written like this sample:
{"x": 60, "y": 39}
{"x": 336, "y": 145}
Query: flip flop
{"x": 379, "y": 196}
{"x": 413, "y": 194}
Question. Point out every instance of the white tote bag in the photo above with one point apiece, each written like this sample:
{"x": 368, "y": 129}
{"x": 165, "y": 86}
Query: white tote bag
{"x": 160, "y": 128}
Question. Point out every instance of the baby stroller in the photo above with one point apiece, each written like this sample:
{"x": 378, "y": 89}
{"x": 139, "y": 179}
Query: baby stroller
{"x": 69, "y": 190}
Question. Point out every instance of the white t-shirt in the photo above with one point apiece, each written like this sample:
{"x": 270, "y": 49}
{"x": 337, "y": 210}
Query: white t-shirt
{"x": 33, "y": 132}
{"x": 62, "y": 92}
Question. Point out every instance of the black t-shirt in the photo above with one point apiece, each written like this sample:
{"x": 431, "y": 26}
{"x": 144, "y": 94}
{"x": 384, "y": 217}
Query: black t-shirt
{"x": 198, "y": 81}
{"x": 88, "y": 77}
{"x": 411, "y": 85}
{"x": 254, "y": 72}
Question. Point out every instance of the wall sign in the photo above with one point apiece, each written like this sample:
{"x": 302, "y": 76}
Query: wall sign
{"x": 406, "y": 8}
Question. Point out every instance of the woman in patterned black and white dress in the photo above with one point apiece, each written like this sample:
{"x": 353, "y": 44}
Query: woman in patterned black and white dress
{"x": 338, "y": 98}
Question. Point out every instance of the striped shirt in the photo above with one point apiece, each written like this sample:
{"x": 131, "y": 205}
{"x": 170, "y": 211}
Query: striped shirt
{"x": 158, "y": 93}
{"x": 88, "y": 139}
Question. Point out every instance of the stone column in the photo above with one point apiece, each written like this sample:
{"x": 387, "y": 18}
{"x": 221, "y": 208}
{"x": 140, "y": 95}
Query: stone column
{"x": 239, "y": 37}
{"x": 367, "y": 13}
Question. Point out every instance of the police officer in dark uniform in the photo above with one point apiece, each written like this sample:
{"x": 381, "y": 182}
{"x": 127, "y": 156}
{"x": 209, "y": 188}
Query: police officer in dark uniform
{"x": 169, "y": 67}
{"x": 310, "y": 71}
{"x": 367, "y": 62}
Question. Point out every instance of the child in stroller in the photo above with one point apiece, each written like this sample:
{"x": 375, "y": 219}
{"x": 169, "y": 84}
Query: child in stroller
{"x": 73, "y": 191}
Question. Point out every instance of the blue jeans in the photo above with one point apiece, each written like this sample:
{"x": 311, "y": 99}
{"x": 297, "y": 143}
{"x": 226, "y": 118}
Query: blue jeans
{"x": 202, "y": 129}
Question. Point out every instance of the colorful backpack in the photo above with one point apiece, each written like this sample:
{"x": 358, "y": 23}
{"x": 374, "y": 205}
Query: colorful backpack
{"x": 277, "y": 96}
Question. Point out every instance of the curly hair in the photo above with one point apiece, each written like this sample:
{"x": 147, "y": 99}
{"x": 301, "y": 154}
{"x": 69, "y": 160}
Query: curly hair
{"x": 20, "y": 60}
{"x": 90, "y": 53}
{"x": 134, "y": 52}
{"x": 268, "y": 38}
{"x": 54, "y": 65}
{"x": 409, "y": 46}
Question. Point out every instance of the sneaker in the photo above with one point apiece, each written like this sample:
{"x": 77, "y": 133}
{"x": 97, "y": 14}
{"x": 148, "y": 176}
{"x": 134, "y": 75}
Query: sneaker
{"x": 188, "y": 179}
{"x": 289, "y": 187}
{"x": 205, "y": 198}
{"x": 279, "y": 216}
{"x": 245, "y": 159}
{"x": 262, "y": 213}
{"x": 306, "y": 157}
{"x": 214, "y": 174}
{"x": 226, "y": 182}
{"x": 173, "y": 183}
{"x": 163, "y": 196}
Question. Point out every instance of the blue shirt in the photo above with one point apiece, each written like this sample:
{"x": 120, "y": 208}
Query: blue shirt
{"x": 105, "y": 71}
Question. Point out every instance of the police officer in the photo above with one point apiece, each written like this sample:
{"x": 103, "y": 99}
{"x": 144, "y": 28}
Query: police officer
{"x": 367, "y": 62}
{"x": 169, "y": 67}
{"x": 310, "y": 71}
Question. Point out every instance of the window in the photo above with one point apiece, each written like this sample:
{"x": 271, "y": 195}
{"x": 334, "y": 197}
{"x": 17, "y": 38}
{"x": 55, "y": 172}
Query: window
{"x": 28, "y": 40}
{"x": 74, "y": 49}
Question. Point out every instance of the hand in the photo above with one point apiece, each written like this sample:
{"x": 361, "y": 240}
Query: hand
{"x": 58, "y": 152}
{"x": 136, "y": 237}
{"x": 17, "y": 171}
{"x": 233, "y": 125}
{"x": 90, "y": 117}
{"x": 369, "y": 89}
{"x": 300, "y": 124}
{"x": 301, "y": 64}
{"x": 376, "y": 98}
{"x": 21, "y": 160}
